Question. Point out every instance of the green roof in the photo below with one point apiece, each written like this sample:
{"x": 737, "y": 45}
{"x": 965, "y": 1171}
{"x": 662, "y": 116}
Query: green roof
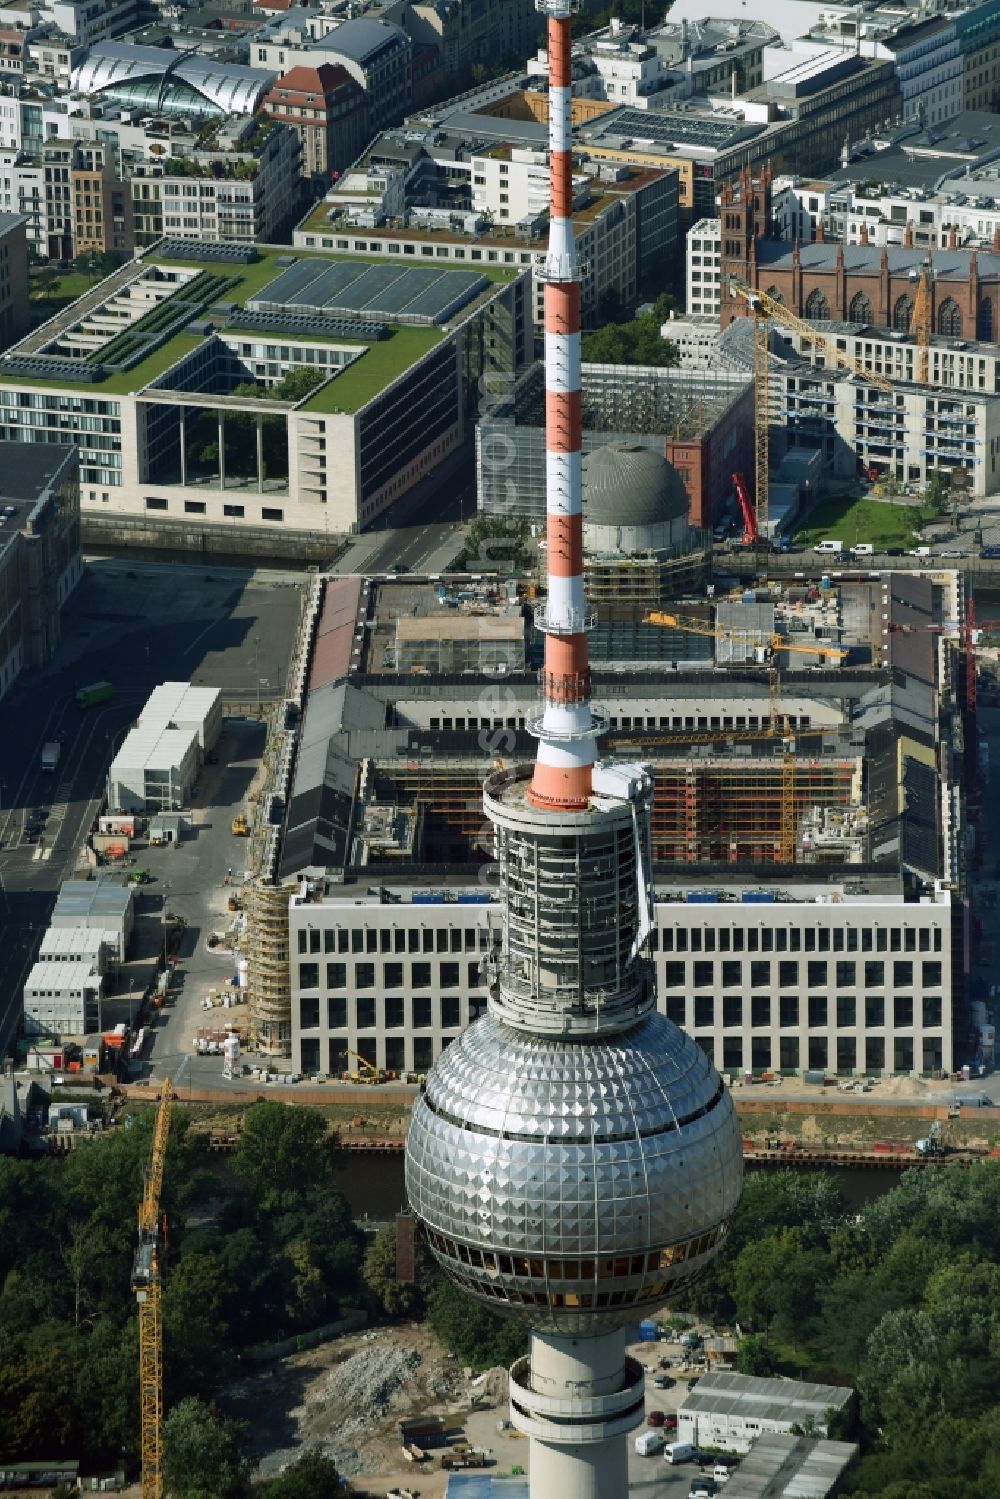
{"x": 381, "y": 363}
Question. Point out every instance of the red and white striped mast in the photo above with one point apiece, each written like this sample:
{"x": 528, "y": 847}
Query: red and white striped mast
{"x": 566, "y": 728}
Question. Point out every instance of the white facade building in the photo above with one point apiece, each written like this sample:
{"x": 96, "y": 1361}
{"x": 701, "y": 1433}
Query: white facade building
{"x": 62, "y": 999}
{"x": 730, "y": 1411}
{"x": 198, "y": 709}
{"x": 703, "y": 258}
{"x": 80, "y": 944}
{"x": 930, "y": 69}
{"x": 951, "y": 422}
{"x": 964, "y": 212}
{"x": 816, "y": 978}
{"x": 154, "y": 770}
{"x": 395, "y": 982}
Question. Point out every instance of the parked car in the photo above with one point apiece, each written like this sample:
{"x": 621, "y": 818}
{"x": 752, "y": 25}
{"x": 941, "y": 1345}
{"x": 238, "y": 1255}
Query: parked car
{"x": 655, "y": 1418}
{"x": 663, "y": 1381}
{"x": 692, "y": 1383}
{"x": 894, "y": 552}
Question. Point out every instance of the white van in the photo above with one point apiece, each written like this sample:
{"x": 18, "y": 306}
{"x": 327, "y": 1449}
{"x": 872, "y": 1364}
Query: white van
{"x": 863, "y": 549}
{"x": 829, "y": 546}
{"x": 678, "y": 1452}
{"x": 648, "y": 1443}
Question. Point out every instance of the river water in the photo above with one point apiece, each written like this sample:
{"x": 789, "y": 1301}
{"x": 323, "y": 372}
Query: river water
{"x": 373, "y": 1184}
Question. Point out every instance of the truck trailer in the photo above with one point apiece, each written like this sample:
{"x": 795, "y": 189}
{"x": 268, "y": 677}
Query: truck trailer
{"x": 50, "y": 754}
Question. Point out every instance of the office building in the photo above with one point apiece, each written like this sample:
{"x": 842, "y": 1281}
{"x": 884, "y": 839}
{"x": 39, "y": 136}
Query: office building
{"x": 143, "y": 374}
{"x": 62, "y": 999}
{"x": 40, "y": 561}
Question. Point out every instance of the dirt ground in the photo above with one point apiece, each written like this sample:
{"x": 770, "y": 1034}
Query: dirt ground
{"x": 346, "y": 1397}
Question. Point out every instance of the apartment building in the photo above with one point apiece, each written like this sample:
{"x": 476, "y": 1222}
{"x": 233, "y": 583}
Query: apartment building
{"x": 467, "y": 32}
{"x": 703, "y": 254}
{"x": 376, "y": 53}
{"x": 328, "y": 111}
{"x": 241, "y": 185}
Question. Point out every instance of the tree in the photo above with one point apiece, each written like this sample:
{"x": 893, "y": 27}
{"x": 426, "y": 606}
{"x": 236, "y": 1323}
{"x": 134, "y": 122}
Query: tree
{"x": 475, "y": 1335}
{"x": 638, "y": 341}
{"x": 204, "y": 1454}
{"x": 312, "y": 1476}
{"x": 282, "y": 1149}
{"x": 753, "y": 1356}
{"x": 396, "y": 1298}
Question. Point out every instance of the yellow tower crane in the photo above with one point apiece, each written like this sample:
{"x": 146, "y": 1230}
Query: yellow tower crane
{"x": 765, "y": 310}
{"x": 771, "y": 645}
{"x": 148, "y": 1287}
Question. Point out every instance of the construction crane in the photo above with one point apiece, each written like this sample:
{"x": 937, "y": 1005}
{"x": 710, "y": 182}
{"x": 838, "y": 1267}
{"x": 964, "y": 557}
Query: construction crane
{"x": 369, "y": 1073}
{"x": 750, "y": 532}
{"x": 147, "y": 1283}
{"x": 766, "y": 309}
{"x": 772, "y": 645}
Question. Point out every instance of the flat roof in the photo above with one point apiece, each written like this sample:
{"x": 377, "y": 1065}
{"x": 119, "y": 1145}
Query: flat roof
{"x": 353, "y": 387}
{"x": 55, "y": 975}
{"x": 180, "y": 700}
{"x": 782, "y": 1466}
{"x": 747, "y": 1398}
{"x": 152, "y": 745}
{"x": 94, "y": 895}
{"x": 451, "y": 626}
{"x": 62, "y": 939}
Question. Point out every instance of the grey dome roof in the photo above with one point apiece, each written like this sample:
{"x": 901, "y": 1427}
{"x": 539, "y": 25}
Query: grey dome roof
{"x": 537, "y": 1164}
{"x": 624, "y": 485}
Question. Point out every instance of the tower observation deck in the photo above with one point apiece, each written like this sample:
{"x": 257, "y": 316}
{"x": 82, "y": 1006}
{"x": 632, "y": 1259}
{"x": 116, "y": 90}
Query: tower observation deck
{"x": 574, "y": 1158}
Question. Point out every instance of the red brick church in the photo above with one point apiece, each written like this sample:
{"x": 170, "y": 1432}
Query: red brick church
{"x": 853, "y": 283}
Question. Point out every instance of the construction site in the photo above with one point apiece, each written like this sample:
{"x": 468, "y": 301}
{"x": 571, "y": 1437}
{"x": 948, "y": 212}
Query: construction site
{"x": 700, "y": 420}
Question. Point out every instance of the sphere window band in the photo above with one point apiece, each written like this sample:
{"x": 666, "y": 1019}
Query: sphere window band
{"x": 562, "y": 1271}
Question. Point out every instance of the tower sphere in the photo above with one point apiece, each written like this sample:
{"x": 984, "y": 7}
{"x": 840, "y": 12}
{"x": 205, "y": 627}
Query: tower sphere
{"x": 576, "y": 1185}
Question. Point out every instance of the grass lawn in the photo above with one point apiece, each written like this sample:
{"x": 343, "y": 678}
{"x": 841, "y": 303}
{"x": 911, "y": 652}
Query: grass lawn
{"x": 853, "y": 521}
{"x": 67, "y": 286}
{"x": 382, "y": 363}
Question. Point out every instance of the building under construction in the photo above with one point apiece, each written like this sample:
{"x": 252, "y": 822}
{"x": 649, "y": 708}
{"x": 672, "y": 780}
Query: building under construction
{"x": 807, "y": 740}
{"x": 757, "y": 764}
{"x": 701, "y": 421}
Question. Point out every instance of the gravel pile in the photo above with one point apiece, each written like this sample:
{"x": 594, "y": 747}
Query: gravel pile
{"x": 343, "y": 1412}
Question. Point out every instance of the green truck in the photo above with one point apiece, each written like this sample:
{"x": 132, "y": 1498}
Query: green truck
{"x": 97, "y": 692}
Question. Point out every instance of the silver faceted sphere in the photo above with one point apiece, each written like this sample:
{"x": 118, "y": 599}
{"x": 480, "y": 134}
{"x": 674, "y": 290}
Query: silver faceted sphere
{"x": 575, "y": 1184}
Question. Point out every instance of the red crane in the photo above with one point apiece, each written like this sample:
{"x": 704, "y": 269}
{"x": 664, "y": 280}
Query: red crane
{"x": 746, "y": 510}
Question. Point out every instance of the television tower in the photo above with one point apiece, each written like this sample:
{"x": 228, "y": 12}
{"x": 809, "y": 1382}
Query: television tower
{"x": 574, "y": 1158}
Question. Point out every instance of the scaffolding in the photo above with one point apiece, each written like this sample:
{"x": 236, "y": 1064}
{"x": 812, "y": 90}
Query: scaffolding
{"x": 643, "y": 406}
{"x": 736, "y": 809}
{"x": 268, "y": 980}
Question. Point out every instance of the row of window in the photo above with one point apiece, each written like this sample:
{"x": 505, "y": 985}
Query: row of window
{"x": 200, "y": 507}
{"x": 817, "y": 1011}
{"x": 364, "y": 975}
{"x": 819, "y": 973}
{"x": 418, "y": 1014}
{"x": 395, "y": 939}
{"x": 798, "y": 939}
{"x": 572, "y": 1271}
{"x": 846, "y": 1055}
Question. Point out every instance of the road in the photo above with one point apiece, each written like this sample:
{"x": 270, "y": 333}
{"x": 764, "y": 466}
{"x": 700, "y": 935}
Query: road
{"x": 135, "y": 625}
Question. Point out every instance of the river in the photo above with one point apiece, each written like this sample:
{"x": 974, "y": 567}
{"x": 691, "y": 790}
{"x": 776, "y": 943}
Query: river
{"x": 373, "y": 1184}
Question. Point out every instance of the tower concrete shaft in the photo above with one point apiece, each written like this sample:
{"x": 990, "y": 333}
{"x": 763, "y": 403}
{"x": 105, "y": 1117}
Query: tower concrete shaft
{"x": 567, "y": 744}
{"x": 573, "y": 1157}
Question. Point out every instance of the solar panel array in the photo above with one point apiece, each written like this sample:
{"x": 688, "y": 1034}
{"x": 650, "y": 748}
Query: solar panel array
{"x": 308, "y": 322}
{"x": 668, "y": 129}
{"x": 389, "y": 293}
{"x": 226, "y": 251}
{"x": 54, "y": 370}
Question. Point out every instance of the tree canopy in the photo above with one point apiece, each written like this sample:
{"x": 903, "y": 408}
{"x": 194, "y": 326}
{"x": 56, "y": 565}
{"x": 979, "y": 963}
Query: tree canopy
{"x": 900, "y": 1301}
{"x": 638, "y": 341}
{"x": 274, "y": 1252}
